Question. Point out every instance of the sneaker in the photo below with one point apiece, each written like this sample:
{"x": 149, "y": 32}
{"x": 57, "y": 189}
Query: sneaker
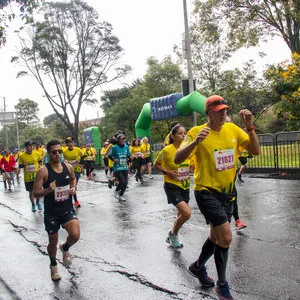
{"x": 67, "y": 259}
{"x": 54, "y": 273}
{"x": 240, "y": 178}
{"x": 136, "y": 178}
{"x": 201, "y": 274}
{"x": 116, "y": 194}
{"x": 94, "y": 174}
{"x": 223, "y": 292}
{"x": 239, "y": 225}
{"x": 77, "y": 203}
{"x": 39, "y": 205}
{"x": 173, "y": 240}
{"x": 9, "y": 188}
{"x": 122, "y": 199}
{"x": 33, "y": 208}
{"x": 150, "y": 176}
{"x": 110, "y": 183}
{"x": 89, "y": 177}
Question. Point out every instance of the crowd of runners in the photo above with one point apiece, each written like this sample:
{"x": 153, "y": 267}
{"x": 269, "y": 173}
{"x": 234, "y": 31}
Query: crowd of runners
{"x": 208, "y": 152}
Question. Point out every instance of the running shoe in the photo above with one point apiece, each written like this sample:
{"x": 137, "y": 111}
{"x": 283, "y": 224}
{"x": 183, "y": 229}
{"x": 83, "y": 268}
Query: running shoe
{"x": 223, "y": 291}
{"x": 77, "y": 203}
{"x": 39, "y": 205}
{"x": 55, "y": 276}
{"x": 173, "y": 240}
{"x": 201, "y": 274}
{"x": 67, "y": 259}
{"x": 239, "y": 225}
{"x": 122, "y": 198}
{"x": 117, "y": 194}
{"x": 9, "y": 188}
{"x": 240, "y": 178}
{"x": 33, "y": 207}
{"x": 94, "y": 174}
{"x": 150, "y": 176}
{"x": 110, "y": 183}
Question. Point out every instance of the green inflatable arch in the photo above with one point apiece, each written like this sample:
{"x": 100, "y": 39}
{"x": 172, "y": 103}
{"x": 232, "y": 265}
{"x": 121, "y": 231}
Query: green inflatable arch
{"x": 193, "y": 102}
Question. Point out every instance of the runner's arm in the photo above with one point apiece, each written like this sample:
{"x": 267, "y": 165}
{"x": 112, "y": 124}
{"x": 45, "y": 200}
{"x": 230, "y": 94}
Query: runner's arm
{"x": 38, "y": 190}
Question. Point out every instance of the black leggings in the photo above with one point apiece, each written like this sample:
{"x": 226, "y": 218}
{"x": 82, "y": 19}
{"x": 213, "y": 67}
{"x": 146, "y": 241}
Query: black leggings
{"x": 123, "y": 181}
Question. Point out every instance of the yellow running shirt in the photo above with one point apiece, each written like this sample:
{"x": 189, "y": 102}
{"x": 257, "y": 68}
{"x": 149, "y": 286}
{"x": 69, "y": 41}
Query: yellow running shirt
{"x": 73, "y": 157}
{"x": 216, "y": 156}
{"x": 32, "y": 164}
{"x": 166, "y": 159}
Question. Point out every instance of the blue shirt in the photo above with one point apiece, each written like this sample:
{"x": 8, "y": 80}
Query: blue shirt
{"x": 121, "y": 154}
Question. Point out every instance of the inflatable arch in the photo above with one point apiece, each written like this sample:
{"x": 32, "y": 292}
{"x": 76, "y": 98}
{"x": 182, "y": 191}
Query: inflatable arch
{"x": 168, "y": 107}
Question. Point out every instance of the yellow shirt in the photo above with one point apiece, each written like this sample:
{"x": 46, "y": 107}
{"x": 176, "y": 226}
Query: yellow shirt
{"x": 216, "y": 156}
{"x": 90, "y": 155}
{"x": 136, "y": 151}
{"x": 145, "y": 148}
{"x": 32, "y": 164}
{"x": 73, "y": 157}
{"x": 166, "y": 159}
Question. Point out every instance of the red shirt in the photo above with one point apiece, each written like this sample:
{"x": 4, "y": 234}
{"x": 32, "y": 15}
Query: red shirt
{"x": 8, "y": 165}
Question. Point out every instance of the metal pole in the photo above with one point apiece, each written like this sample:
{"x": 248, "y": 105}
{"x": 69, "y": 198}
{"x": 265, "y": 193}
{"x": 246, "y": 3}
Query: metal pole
{"x": 5, "y": 127}
{"x": 18, "y": 137}
{"x": 189, "y": 55}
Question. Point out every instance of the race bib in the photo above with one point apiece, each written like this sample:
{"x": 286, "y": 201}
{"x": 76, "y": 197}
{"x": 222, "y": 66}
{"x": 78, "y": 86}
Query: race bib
{"x": 123, "y": 161}
{"x": 73, "y": 163}
{"x": 138, "y": 154}
{"x": 61, "y": 193}
{"x": 30, "y": 168}
{"x": 224, "y": 159}
{"x": 90, "y": 158}
{"x": 183, "y": 173}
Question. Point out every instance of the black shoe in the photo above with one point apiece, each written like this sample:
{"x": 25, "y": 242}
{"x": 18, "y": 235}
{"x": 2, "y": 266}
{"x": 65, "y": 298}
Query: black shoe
{"x": 201, "y": 274}
{"x": 110, "y": 183}
{"x": 240, "y": 178}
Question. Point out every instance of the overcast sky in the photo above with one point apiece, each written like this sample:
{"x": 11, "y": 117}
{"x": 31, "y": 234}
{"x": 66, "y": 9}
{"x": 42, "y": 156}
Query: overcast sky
{"x": 145, "y": 28}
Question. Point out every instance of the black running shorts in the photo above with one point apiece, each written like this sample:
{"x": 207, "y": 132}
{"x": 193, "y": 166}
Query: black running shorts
{"x": 53, "y": 223}
{"x": 29, "y": 186}
{"x": 214, "y": 211}
{"x": 175, "y": 194}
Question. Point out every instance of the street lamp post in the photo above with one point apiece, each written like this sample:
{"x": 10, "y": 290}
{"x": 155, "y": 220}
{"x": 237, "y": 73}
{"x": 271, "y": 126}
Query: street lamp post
{"x": 188, "y": 54}
{"x": 5, "y": 126}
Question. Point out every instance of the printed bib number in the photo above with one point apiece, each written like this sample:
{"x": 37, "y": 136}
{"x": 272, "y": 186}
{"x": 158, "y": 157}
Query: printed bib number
{"x": 73, "y": 163}
{"x": 183, "y": 173}
{"x": 123, "y": 161}
{"x": 224, "y": 159}
{"x": 30, "y": 168}
{"x": 61, "y": 193}
{"x": 90, "y": 158}
{"x": 138, "y": 154}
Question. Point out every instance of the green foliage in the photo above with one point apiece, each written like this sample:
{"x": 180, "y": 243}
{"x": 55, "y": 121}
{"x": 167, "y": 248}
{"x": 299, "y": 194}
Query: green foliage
{"x": 70, "y": 54}
{"x": 245, "y": 23}
{"x": 26, "y": 111}
{"x": 285, "y": 82}
{"x": 162, "y": 78}
{"x": 8, "y": 13}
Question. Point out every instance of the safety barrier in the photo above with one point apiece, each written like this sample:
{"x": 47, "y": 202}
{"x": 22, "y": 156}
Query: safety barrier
{"x": 279, "y": 153}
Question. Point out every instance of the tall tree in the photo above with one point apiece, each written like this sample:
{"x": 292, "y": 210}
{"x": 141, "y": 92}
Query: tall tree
{"x": 8, "y": 13}
{"x": 249, "y": 21}
{"x": 70, "y": 54}
{"x": 285, "y": 81}
{"x": 27, "y": 110}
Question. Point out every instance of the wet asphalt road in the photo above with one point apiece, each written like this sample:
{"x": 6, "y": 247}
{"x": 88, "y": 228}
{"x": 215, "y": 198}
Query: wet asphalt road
{"x": 122, "y": 253}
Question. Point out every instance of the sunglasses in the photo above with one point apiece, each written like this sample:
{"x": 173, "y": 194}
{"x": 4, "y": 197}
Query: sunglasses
{"x": 218, "y": 102}
{"x": 56, "y": 152}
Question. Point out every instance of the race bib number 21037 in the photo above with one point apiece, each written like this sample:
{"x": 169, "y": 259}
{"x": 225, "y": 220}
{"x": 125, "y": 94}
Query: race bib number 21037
{"x": 224, "y": 159}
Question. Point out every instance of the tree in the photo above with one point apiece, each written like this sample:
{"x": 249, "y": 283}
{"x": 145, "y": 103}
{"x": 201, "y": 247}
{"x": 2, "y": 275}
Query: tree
{"x": 162, "y": 78}
{"x": 56, "y": 126}
{"x": 70, "y": 54}
{"x": 26, "y": 111}
{"x": 245, "y": 23}
{"x": 7, "y": 14}
{"x": 285, "y": 81}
